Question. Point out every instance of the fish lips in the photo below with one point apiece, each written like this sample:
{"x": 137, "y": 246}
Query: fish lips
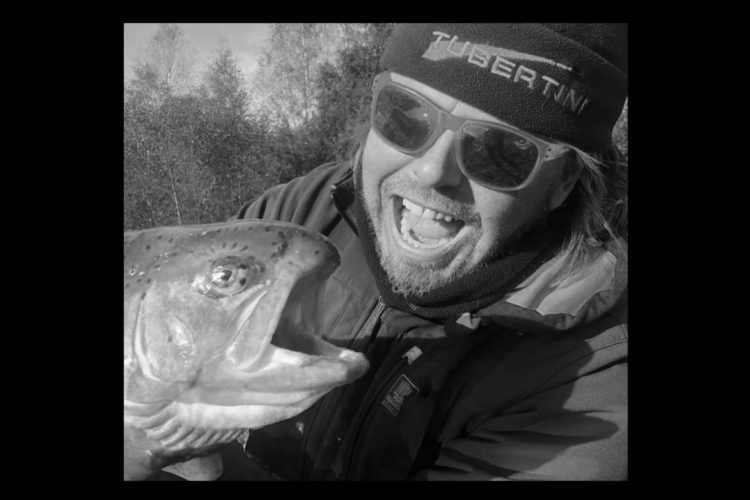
{"x": 290, "y": 357}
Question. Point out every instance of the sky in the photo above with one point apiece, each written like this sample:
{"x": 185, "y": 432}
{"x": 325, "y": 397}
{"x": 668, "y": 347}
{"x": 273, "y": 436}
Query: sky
{"x": 245, "y": 40}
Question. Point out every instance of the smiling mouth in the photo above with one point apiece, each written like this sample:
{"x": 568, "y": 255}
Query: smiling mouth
{"x": 423, "y": 230}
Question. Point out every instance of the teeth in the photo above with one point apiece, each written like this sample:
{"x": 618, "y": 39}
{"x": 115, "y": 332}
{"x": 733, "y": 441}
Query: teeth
{"x": 427, "y": 213}
{"x": 413, "y": 207}
{"x": 406, "y": 234}
{"x": 405, "y": 229}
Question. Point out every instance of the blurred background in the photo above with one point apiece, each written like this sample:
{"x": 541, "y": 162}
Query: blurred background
{"x": 215, "y": 114}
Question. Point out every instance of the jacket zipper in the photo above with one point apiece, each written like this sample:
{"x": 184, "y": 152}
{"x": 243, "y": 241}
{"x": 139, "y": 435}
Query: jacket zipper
{"x": 369, "y": 327}
{"x": 367, "y": 330}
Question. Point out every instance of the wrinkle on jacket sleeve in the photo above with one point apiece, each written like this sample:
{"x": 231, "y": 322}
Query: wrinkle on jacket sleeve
{"x": 538, "y": 439}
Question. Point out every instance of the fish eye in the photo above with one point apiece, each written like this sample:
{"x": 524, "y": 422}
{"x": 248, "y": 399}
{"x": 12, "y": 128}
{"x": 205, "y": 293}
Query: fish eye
{"x": 228, "y": 275}
{"x": 223, "y": 276}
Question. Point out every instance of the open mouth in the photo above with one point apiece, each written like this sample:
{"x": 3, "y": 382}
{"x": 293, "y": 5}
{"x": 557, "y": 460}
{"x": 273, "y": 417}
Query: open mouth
{"x": 424, "y": 231}
{"x": 278, "y": 347}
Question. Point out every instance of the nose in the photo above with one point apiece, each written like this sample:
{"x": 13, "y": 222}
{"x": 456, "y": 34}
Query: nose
{"x": 437, "y": 166}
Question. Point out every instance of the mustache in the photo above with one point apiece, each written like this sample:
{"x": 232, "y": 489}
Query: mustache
{"x": 431, "y": 198}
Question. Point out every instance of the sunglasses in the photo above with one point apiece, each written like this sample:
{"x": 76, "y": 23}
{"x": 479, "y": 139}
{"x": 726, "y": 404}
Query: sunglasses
{"x": 494, "y": 155}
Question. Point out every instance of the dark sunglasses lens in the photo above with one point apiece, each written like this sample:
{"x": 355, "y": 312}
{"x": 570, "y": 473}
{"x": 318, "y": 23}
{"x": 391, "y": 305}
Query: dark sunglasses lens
{"x": 497, "y": 157}
{"x": 402, "y": 118}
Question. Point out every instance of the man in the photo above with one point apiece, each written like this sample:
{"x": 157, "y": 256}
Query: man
{"x": 482, "y": 227}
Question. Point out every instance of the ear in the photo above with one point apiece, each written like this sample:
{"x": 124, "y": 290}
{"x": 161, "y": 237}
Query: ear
{"x": 570, "y": 173}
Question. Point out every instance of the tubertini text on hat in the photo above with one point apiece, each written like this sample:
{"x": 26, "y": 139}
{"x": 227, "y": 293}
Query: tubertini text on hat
{"x": 446, "y": 46}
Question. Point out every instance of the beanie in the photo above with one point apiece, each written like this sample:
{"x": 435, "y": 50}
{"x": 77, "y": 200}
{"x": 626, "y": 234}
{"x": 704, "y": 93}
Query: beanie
{"x": 566, "y": 82}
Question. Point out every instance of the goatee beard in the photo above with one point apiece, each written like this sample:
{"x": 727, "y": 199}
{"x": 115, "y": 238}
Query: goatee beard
{"x": 410, "y": 278}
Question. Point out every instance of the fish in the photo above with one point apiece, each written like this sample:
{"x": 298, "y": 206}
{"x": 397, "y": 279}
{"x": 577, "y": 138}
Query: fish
{"x": 222, "y": 336}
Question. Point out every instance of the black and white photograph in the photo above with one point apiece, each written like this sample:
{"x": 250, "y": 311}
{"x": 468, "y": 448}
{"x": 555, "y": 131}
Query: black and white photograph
{"x": 375, "y": 252}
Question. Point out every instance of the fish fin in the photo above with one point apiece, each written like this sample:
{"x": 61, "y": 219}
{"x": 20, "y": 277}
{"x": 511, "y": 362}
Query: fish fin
{"x": 207, "y": 468}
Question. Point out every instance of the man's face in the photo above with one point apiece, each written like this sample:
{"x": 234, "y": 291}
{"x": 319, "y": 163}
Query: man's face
{"x": 433, "y": 224}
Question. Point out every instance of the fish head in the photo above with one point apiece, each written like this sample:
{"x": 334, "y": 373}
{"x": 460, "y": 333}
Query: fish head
{"x": 222, "y": 334}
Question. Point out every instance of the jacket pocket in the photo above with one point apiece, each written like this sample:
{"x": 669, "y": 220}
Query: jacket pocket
{"x": 388, "y": 438}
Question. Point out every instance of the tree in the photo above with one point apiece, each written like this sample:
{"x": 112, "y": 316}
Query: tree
{"x": 344, "y": 88}
{"x": 165, "y": 68}
{"x": 164, "y": 179}
{"x": 189, "y": 157}
{"x": 288, "y": 68}
{"x": 231, "y": 140}
{"x": 332, "y": 80}
{"x": 224, "y": 83}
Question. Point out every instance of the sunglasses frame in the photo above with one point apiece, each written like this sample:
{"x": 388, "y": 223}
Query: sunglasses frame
{"x": 446, "y": 121}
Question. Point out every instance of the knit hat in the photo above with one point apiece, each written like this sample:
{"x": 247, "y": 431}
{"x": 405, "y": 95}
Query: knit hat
{"x": 567, "y": 82}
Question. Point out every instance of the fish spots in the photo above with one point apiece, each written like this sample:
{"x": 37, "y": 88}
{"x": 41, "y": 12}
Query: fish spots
{"x": 234, "y": 245}
{"x": 148, "y": 247}
{"x": 281, "y": 246}
{"x": 244, "y": 248}
{"x": 243, "y": 281}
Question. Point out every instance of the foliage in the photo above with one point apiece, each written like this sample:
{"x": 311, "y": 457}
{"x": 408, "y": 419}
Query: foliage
{"x": 189, "y": 156}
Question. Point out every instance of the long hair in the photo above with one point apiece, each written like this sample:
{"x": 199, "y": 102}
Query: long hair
{"x": 596, "y": 210}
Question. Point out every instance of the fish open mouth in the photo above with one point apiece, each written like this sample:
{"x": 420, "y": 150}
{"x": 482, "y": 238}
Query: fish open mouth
{"x": 278, "y": 356}
{"x": 289, "y": 315}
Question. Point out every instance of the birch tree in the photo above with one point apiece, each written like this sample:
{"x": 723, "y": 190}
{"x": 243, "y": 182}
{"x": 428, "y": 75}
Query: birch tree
{"x": 284, "y": 84}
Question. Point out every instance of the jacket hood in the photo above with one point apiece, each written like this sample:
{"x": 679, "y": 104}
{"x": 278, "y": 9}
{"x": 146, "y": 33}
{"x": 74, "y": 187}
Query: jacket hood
{"x": 547, "y": 302}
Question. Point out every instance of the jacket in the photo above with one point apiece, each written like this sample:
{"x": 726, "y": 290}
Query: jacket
{"x": 533, "y": 387}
